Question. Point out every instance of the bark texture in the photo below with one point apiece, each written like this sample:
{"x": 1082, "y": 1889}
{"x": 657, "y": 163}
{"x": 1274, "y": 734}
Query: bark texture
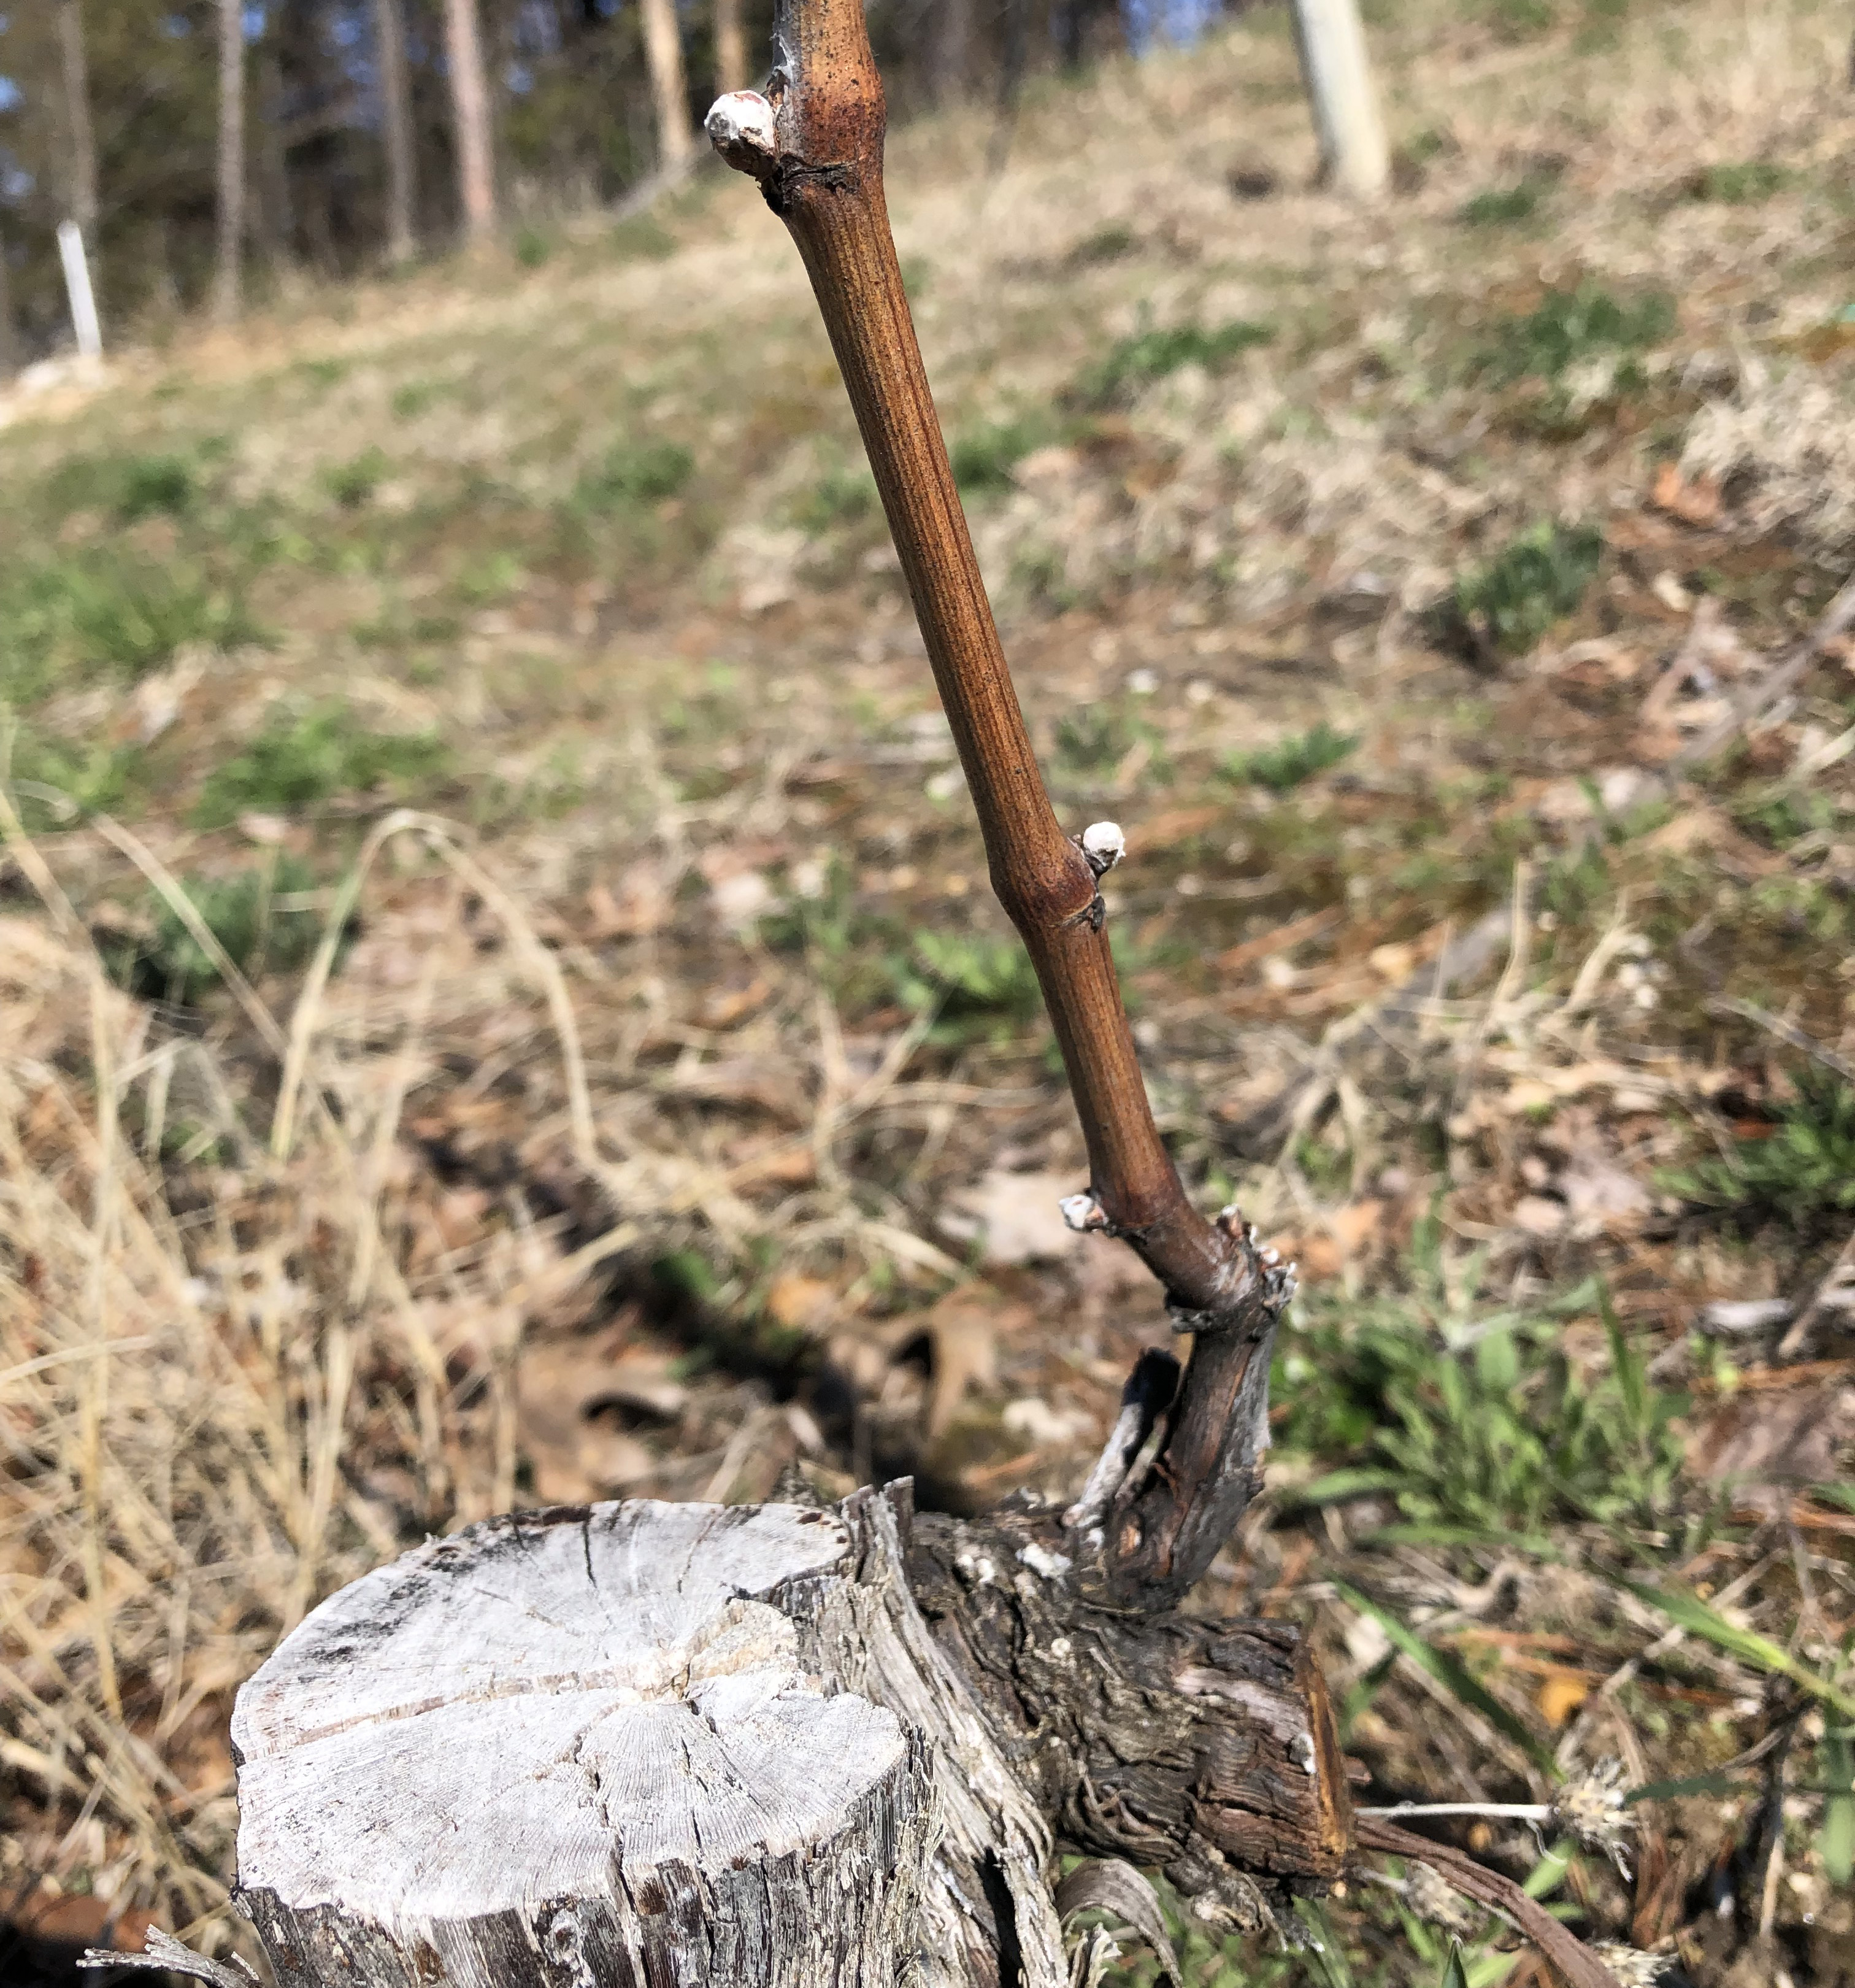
{"x": 636, "y": 1743}
{"x": 470, "y": 112}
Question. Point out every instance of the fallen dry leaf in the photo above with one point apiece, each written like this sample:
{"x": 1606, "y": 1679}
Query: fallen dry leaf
{"x": 1321, "y": 1253}
{"x": 574, "y": 1452}
{"x": 799, "y": 1303}
{"x": 1597, "y": 1191}
{"x": 1761, "y": 1440}
{"x": 1032, "y": 1418}
{"x": 963, "y": 1330}
{"x": 1014, "y": 1218}
{"x": 757, "y": 1083}
{"x": 1175, "y": 825}
{"x": 80, "y": 1918}
{"x": 1537, "y": 1215}
{"x": 636, "y": 906}
{"x": 1561, "y": 1694}
{"x": 1697, "y": 503}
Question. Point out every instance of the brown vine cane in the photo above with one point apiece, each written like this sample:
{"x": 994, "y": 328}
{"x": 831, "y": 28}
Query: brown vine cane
{"x": 815, "y": 144}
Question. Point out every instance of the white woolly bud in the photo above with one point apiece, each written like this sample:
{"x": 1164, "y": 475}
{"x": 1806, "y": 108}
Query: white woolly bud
{"x": 1082, "y": 1212}
{"x": 1104, "y": 845}
{"x": 742, "y": 121}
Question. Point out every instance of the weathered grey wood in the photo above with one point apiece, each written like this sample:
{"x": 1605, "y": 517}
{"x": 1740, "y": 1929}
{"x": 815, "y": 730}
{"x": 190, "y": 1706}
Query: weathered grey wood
{"x": 586, "y": 1748}
{"x": 638, "y": 1744}
{"x": 1353, "y": 158}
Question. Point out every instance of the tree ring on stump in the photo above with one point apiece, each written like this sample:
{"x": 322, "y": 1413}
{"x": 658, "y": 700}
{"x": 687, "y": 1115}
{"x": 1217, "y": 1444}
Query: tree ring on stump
{"x": 582, "y": 1747}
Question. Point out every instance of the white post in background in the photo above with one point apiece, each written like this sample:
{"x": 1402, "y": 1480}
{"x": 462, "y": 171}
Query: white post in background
{"x": 1353, "y": 157}
{"x": 77, "y": 287}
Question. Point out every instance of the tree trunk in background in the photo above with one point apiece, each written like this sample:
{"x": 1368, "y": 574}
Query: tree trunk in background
{"x": 1015, "y": 55}
{"x": 730, "y": 47}
{"x": 470, "y": 104}
{"x": 950, "y": 59}
{"x": 1353, "y": 159}
{"x": 80, "y": 157}
{"x": 9, "y": 342}
{"x": 663, "y": 50}
{"x": 226, "y": 283}
{"x": 275, "y": 225}
{"x": 396, "y": 123}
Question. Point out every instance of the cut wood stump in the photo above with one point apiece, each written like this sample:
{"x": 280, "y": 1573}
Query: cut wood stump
{"x": 629, "y": 1745}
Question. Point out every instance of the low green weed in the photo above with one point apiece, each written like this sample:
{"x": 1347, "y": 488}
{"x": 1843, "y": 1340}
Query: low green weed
{"x": 1520, "y": 20}
{"x": 984, "y": 458}
{"x": 1803, "y": 1170}
{"x": 1505, "y": 207}
{"x": 299, "y": 761}
{"x": 129, "y": 487}
{"x": 1507, "y": 603}
{"x": 1468, "y": 1418}
{"x": 1743, "y": 184}
{"x": 839, "y": 497}
{"x": 1567, "y": 327}
{"x": 99, "y": 611}
{"x": 1289, "y": 761}
{"x": 852, "y": 950}
{"x": 532, "y": 248}
{"x": 1040, "y": 572}
{"x": 641, "y": 237}
{"x": 1106, "y": 244}
{"x": 1148, "y": 356}
{"x": 632, "y": 474}
{"x": 983, "y": 989}
{"x": 413, "y": 398}
{"x": 50, "y": 777}
{"x": 1094, "y": 739}
{"x": 352, "y": 484}
{"x": 265, "y": 918}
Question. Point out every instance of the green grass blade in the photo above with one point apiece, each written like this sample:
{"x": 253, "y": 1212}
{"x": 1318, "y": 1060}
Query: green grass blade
{"x": 1836, "y": 1841}
{"x": 1454, "y": 1677}
{"x": 1337, "y": 1486}
{"x": 1721, "y": 1781}
{"x": 1689, "y": 1612}
{"x": 1453, "y": 1974}
{"x": 1422, "y": 1533}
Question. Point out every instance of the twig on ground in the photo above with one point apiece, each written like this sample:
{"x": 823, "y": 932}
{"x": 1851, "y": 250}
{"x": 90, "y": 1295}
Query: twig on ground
{"x": 166, "y": 1955}
{"x": 1574, "y": 1961}
{"x": 1835, "y": 620}
{"x": 1836, "y": 1292}
{"x": 1786, "y": 1031}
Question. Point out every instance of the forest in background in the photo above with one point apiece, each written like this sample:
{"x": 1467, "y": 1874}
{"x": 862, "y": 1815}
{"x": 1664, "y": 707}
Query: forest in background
{"x": 324, "y": 137}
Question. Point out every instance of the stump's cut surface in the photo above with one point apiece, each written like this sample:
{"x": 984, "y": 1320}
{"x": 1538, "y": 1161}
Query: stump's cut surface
{"x": 582, "y": 1747}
